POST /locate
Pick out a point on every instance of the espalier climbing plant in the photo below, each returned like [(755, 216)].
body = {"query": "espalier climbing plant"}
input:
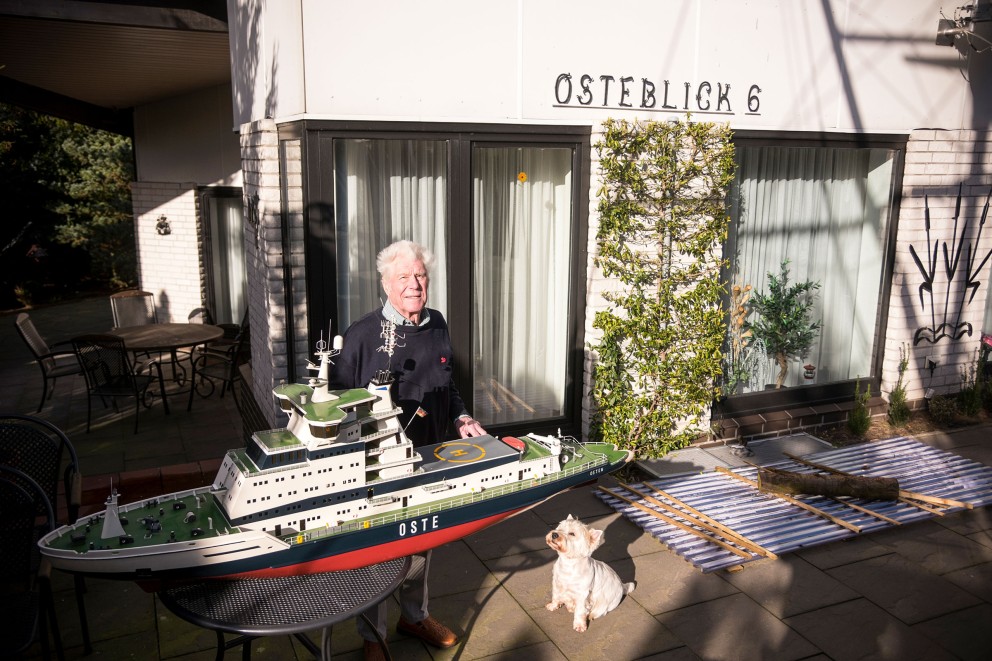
[(663, 220)]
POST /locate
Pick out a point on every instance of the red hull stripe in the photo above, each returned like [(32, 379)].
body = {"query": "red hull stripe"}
[(381, 552)]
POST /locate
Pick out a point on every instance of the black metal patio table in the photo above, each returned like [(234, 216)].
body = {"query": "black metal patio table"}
[(290, 605)]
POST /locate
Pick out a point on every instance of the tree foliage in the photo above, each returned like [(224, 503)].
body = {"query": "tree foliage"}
[(66, 206), (663, 220)]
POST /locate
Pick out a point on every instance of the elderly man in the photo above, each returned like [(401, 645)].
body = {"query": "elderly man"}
[(421, 365)]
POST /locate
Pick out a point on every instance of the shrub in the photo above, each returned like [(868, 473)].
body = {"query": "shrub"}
[(899, 412), (859, 420), (942, 409), (663, 222)]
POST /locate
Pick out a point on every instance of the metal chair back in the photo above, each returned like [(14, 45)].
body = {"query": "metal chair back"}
[(41, 450), (133, 308), (53, 364), (201, 316), (24, 586), (219, 362), (109, 372)]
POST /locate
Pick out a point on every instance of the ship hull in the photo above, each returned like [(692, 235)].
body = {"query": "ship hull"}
[(257, 554)]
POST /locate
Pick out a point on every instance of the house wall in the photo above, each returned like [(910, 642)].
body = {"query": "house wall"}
[(940, 164), (840, 65), (170, 265), (844, 67)]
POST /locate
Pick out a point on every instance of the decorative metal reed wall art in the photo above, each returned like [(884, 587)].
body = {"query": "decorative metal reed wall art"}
[(958, 263)]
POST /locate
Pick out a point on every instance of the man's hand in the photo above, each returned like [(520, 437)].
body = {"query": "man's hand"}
[(467, 426)]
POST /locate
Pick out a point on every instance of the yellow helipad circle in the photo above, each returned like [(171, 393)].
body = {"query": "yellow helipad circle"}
[(459, 452)]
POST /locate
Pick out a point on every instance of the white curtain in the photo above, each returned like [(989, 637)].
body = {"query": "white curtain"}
[(227, 259), (825, 210), (522, 211), (387, 190)]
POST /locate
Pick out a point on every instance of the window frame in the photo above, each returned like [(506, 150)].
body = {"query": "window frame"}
[(838, 391), (321, 246)]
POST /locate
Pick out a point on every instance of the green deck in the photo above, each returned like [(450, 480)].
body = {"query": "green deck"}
[(330, 411), (162, 509)]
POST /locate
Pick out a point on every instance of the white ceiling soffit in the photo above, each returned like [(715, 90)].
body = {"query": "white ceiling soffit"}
[(113, 66)]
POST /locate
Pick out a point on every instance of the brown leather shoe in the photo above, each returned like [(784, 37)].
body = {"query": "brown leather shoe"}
[(430, 631), (373, 651)]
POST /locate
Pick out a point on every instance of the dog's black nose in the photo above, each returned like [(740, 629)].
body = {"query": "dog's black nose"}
[(554, 535)]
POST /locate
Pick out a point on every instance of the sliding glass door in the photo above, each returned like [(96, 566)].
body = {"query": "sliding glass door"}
[(522, 235), (387, 190), (500, 213)]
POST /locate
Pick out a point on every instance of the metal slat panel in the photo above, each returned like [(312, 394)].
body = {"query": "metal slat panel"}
[(780, 526)]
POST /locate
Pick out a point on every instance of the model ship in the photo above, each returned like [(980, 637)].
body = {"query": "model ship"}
[(340, 487)]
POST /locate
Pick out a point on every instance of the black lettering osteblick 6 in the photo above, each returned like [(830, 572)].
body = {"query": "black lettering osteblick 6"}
[(612, 92)]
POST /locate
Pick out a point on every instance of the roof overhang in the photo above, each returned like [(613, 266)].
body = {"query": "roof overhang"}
[(94, 62)]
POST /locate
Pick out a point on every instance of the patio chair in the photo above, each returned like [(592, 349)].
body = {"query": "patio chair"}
[(27, 608), (200, 316), (110, 372), (218, 363), (53, 364), (44, 453), (133, 308)]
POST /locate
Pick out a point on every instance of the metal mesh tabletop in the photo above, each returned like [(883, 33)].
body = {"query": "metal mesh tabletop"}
[(285, 605)]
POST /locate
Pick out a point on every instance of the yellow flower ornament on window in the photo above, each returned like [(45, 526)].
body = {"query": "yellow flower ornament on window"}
[(522, 177)]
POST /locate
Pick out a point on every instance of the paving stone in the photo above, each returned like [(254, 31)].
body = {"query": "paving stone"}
[(546, 651), (789, 586), (965, 634), (518, 534), (861, 630), (490, 619), (526, 576), (904, 589), (735, 627), (455, 568), (934, 547), (666, 582), (977, 580), (628, 632), (842, 552)]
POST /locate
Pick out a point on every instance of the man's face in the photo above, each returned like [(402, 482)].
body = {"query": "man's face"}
[(406, 287)]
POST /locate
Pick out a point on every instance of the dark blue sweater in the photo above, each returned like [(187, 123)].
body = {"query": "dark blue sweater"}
[(421, 368)]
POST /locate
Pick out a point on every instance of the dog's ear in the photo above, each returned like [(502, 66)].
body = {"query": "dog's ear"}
[(596, 539), (569, 518)]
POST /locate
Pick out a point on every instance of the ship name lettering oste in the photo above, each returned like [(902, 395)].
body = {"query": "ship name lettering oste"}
[(417, 526)]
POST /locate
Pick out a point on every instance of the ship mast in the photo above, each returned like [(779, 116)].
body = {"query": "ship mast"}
[(321, 393)]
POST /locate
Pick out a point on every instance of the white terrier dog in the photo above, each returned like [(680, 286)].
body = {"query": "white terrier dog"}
[(587, 587)]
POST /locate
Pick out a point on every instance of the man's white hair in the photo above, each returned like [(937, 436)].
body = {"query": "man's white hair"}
[(387, 257)]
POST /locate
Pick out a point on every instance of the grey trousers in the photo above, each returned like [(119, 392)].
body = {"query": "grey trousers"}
[(412, 595)]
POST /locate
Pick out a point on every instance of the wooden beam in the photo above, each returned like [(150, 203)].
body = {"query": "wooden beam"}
[(700, 519), (680, 525)]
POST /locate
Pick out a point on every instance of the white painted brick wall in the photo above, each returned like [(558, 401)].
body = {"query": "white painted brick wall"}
[(170, 266), (937, 163)]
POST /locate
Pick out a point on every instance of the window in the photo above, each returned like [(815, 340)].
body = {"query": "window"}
[(499, 209), (224, 257), (827, 210)]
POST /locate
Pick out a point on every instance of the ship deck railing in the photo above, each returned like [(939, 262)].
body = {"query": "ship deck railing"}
[(374, 436), (379, 415), (488, 493)]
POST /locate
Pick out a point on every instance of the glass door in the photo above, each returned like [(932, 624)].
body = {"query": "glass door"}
[(522, 234), (227, 282), (385, 191)]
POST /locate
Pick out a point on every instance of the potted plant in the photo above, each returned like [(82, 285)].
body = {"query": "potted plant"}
[(783, 324), (740, 363)]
